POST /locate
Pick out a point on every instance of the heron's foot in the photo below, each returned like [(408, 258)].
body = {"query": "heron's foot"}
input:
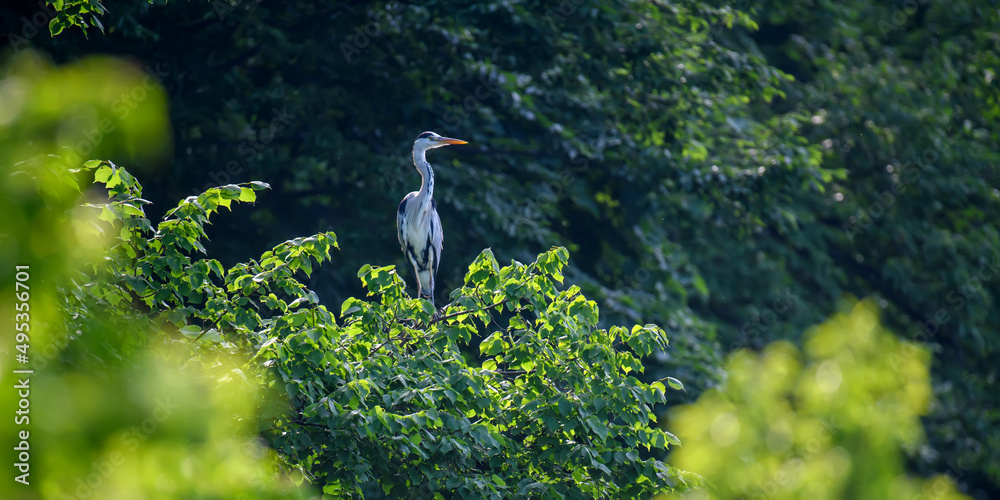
[(437, 314), (441, 310)]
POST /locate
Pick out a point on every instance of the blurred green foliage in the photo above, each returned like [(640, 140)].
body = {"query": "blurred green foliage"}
[(117, 408), (828, 422)]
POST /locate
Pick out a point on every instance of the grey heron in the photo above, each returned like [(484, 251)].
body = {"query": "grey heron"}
[(417, 223)]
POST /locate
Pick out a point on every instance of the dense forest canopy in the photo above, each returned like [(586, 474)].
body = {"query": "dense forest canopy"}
[(735, 173)]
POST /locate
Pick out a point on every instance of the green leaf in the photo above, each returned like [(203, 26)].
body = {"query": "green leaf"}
[(672, 439), (247, 195), (103, 174), (598, 427), (191, 330), (676, 384), (492, 344), (699, 284), (565, 406)]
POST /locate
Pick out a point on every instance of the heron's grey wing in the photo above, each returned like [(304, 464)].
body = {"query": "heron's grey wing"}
[(437, 237), (399, 220)]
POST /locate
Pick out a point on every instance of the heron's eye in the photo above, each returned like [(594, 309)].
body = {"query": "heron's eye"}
[(426, 135)]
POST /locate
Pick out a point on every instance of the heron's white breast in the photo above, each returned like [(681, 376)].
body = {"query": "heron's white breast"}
[(417, 228)]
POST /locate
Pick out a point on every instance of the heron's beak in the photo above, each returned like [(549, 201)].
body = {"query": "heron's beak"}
[(449, 140)]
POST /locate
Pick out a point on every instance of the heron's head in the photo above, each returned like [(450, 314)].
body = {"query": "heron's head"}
[(431, 140)]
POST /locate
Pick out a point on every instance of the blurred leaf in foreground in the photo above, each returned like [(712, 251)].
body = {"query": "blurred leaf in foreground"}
[(829, 422)]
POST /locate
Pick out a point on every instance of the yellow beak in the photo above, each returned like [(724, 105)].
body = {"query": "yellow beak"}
[(449, 140)]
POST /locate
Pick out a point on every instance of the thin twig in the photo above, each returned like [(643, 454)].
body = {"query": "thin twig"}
[(459, 313)]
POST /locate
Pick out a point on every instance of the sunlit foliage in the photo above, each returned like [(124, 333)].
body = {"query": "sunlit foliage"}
[(384, 400), (827, 422)]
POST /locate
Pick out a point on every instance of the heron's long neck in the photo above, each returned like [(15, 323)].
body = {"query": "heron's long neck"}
[(426, 175)]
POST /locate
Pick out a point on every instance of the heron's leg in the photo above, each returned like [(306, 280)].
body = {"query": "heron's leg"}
[(431, 294)]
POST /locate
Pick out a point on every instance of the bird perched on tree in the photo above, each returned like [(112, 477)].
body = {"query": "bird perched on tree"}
[(417, 223)]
